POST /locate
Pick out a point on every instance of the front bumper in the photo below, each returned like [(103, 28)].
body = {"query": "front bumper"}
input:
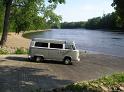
[(78, 59)]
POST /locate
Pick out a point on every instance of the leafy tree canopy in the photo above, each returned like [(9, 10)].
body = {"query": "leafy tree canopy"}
[(119, 7), (23, 13), (32, 14)]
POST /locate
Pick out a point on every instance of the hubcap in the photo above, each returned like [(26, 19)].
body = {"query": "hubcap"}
[(67, 61), (38, 59)]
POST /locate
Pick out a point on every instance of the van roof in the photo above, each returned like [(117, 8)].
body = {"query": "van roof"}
[(52, 40)]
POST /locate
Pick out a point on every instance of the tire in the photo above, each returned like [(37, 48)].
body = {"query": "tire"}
[(39, 59), (32, 59), (67, 61)]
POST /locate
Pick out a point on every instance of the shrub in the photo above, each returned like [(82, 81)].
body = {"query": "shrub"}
[(3, 51), (21, 51)]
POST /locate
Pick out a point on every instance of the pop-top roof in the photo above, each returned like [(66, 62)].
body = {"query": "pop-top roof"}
[(52, 40)]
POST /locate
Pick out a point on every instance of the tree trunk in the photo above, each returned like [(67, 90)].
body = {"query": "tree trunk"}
[(6, 22)]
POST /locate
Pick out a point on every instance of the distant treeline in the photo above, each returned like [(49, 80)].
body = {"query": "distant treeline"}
[(71, 25), (108, 21)]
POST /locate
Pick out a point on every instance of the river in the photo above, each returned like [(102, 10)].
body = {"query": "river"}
[(96, 41)]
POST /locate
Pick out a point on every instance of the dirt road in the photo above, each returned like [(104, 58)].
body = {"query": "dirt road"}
[(19, 75)]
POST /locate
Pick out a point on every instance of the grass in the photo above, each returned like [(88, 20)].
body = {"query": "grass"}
[(21, 51), (113, 83), (108, 83), (3, 51)]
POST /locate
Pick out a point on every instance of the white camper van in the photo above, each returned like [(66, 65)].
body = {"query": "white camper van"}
[(48, 49)]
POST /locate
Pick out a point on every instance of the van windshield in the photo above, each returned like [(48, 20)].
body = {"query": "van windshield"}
[(72, 47)]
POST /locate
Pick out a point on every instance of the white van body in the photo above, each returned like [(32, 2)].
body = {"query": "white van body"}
[(51, 49)]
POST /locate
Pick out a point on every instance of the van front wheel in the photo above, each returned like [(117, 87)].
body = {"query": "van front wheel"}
[(67, 61), (39, 59)]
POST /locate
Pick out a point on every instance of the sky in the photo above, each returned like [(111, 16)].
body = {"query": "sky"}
[(82, 10)]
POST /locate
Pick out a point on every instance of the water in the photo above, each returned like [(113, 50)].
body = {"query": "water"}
[(99, 41)]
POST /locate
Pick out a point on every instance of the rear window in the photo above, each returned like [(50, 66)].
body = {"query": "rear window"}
[(53, 45), (41, 44)]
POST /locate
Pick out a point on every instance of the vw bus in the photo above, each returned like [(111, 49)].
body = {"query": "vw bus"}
[(51, 49)]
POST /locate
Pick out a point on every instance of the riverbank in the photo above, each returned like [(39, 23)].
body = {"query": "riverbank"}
[(22, 42), (17, 41), (108, 44), (29, 33)]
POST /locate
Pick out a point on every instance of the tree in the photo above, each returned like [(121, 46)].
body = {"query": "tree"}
[(108, 21), (70, 25), (8, 4), (119, 7), (6, 21), (32, 19), (28, 11), (51, 18), (93, 23), (1, 15)]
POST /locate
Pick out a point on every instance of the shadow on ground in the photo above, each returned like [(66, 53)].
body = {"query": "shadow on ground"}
[(25, 59), (25, 79), (17, 58)]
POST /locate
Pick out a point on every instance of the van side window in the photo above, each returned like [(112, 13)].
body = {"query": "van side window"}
[(53, 45), (41, 44)]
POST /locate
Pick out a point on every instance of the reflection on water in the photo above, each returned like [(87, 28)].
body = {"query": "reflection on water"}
[(89, 40)]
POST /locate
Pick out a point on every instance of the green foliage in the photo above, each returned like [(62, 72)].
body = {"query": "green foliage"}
[(1, 15), (110, 82), (21, 51), (27, 11), (31, 15), (109, 21), (53, 19), (106, 84), (119, 7), (34, 15), (71, 25), (93, 23), (3, 51), (57, 1), (39, 23)]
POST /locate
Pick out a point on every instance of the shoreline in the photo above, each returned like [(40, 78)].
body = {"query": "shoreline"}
[(31, 32), (99, 53), (15, 41)]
